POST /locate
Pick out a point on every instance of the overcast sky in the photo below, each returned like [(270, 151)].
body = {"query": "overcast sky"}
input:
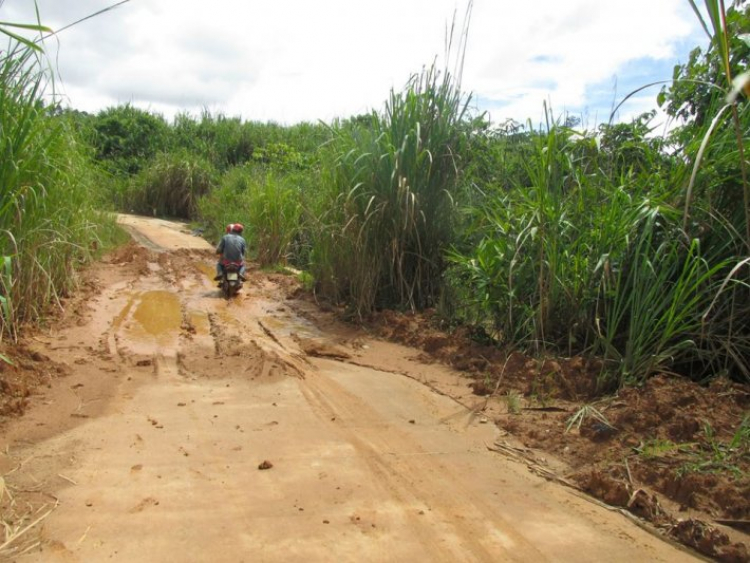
[(305, 60)]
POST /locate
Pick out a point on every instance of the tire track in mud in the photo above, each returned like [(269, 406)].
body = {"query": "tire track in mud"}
[(418, 481), (161, 314)]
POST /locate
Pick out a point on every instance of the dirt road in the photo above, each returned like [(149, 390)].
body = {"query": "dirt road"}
[(150, 446)]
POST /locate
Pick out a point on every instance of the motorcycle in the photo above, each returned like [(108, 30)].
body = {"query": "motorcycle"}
[(231, 279)]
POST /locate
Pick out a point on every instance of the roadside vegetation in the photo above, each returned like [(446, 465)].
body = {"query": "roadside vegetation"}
[(50, 218), (548, 238)]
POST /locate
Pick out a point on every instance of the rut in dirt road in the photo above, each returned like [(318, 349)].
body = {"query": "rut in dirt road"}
[(182, 397)]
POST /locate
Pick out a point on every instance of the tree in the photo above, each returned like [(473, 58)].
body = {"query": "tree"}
[(126, 138)]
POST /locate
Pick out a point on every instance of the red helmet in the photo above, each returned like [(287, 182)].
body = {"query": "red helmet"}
[(230, 226), (237, 228)]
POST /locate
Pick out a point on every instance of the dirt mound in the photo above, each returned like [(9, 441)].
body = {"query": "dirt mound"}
[(18, 380), (472, 351), (127, 254)]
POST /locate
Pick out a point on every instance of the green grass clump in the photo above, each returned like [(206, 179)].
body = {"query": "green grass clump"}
[(266, 202), (49, 225), (386, 212), (586, 253)]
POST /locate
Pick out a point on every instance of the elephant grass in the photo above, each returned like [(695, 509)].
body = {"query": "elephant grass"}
[(585, 259), (387, 208), (48, 224)]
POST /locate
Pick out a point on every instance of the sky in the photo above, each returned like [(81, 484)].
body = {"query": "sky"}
[(307, 60)]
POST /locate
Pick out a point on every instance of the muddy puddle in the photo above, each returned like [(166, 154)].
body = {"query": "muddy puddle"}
[(156, 317), (208, 270)]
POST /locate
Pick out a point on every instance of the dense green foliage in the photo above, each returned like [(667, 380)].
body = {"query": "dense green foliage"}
[(555, 240), (48, 220), (606, 243), (170, 185), (570, 261), (267, 202)]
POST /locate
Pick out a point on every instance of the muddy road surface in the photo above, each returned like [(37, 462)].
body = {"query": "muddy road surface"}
[(185, 427)]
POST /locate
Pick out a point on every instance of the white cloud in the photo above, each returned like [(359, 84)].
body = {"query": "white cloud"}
[(292, 60)]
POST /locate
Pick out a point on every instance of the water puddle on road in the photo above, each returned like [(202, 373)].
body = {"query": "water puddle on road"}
[(159, 315), (207, 269)]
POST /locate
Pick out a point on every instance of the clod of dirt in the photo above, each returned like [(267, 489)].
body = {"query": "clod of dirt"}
[(598, 431), (603, 486), (144, 363), (265, 465), (322, 349), (708, 540), (37, 357), (480, 387)]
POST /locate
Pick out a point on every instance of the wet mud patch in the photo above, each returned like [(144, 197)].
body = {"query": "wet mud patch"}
[(129, 253), (322, 349), (229, 354), (249, 361), (158, 315), (148, 322)]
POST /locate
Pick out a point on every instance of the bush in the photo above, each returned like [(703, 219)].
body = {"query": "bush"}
[(268, 204), (171, 185)]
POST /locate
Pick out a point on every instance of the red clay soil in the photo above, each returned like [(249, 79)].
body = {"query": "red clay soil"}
[(674, 453)]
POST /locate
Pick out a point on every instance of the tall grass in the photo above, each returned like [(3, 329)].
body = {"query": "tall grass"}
[(719, 34), (583, 256), (387, 209), (48, 224), (170, 185), (268, 203)]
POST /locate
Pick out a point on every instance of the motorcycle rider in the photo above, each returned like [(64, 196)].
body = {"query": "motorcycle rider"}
[(231, 248)]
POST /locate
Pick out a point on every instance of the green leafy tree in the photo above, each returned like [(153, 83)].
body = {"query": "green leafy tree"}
[(127, 138)]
